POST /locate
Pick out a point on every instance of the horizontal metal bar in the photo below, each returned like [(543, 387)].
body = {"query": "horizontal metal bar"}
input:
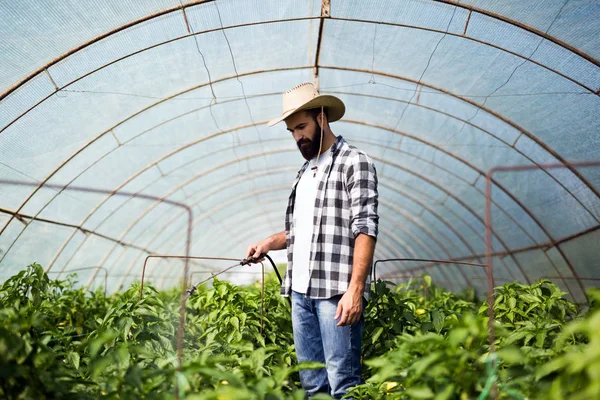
[(21, 216)]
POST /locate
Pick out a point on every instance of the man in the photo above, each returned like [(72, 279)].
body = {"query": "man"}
[(331, 227)]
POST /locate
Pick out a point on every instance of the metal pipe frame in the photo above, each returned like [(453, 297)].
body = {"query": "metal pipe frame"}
[(489, 289), (398, 78), (111, 130), (325, 13), (234, 128), (488, 210), (448, 193), (499, 17), (431, 263), (204, 196), (124, 183), (230, 27), (221, 227), (495, 115), (281, 188), (256, 229), (23, 217), (416, 239), (148, 197), (463, 99), (523, 26)]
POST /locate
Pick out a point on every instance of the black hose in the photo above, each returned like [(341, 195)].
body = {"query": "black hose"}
[(263, 255)]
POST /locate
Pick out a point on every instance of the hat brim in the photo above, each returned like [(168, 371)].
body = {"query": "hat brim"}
[(335, 108)]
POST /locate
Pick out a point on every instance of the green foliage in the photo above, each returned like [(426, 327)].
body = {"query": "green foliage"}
[(420, 342)]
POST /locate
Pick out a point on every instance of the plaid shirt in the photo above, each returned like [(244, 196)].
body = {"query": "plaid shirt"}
[(345, 205)]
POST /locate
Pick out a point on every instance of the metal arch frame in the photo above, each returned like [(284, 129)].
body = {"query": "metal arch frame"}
[(264, 22), (379, 73), (479, 128), (536, 32), (227, 101), (483, 108), (407, 217), (174, 190), (148, 209), (391, 253), (523, 26), (252, 156), (238, 128), (415, 156), (293, 168), (335, 68), (168, 194), (145, 196), (97, 39), (176, 241), (119, 144), (193, 206), (438, 166), (391, 188), (488, 213), (397, 241), (430, 182), (427, 233), (122, 185), (397, 77), (131, 178), (279, 170), (175, 151), (260, 228), (394, 225), (22, 217)]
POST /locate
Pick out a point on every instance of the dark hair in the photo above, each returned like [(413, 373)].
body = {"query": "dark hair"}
[(314, 112)]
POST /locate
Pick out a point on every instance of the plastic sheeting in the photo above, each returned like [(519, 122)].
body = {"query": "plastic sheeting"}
[(170, 99)]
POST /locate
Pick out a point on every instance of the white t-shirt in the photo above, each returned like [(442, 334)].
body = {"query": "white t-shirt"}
[(304, 207)]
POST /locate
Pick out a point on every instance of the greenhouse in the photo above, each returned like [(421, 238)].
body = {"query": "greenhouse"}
[(137, 167)]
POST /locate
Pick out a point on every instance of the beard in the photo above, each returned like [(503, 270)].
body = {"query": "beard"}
[(310, 148)]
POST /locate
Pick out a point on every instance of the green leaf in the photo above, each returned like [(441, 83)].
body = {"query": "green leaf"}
[(427, 280), (377, 333), (73, 358), (420, 392), (445, 394), (438, 318)]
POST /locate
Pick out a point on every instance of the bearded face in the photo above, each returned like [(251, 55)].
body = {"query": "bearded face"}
[(310, 147)]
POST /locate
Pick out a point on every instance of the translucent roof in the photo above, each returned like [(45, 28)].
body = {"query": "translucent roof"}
[(170, 99)]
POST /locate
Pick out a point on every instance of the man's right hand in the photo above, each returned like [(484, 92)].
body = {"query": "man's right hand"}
[(256, 249), (274, 242)]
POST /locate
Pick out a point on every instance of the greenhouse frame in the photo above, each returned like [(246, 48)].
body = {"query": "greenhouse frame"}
[(133, 137)]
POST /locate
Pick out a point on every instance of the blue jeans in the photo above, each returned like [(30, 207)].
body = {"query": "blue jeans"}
[(318, 338)]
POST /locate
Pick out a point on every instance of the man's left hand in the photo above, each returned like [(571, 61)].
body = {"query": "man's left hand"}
[(349, 307)]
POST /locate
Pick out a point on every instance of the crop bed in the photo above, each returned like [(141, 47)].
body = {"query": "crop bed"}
[(61, 342)]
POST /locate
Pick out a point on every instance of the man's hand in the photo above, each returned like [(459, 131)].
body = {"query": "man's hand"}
[(274, 242), (349, 307)]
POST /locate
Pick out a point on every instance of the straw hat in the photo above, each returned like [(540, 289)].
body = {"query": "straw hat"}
[(305, 96)]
